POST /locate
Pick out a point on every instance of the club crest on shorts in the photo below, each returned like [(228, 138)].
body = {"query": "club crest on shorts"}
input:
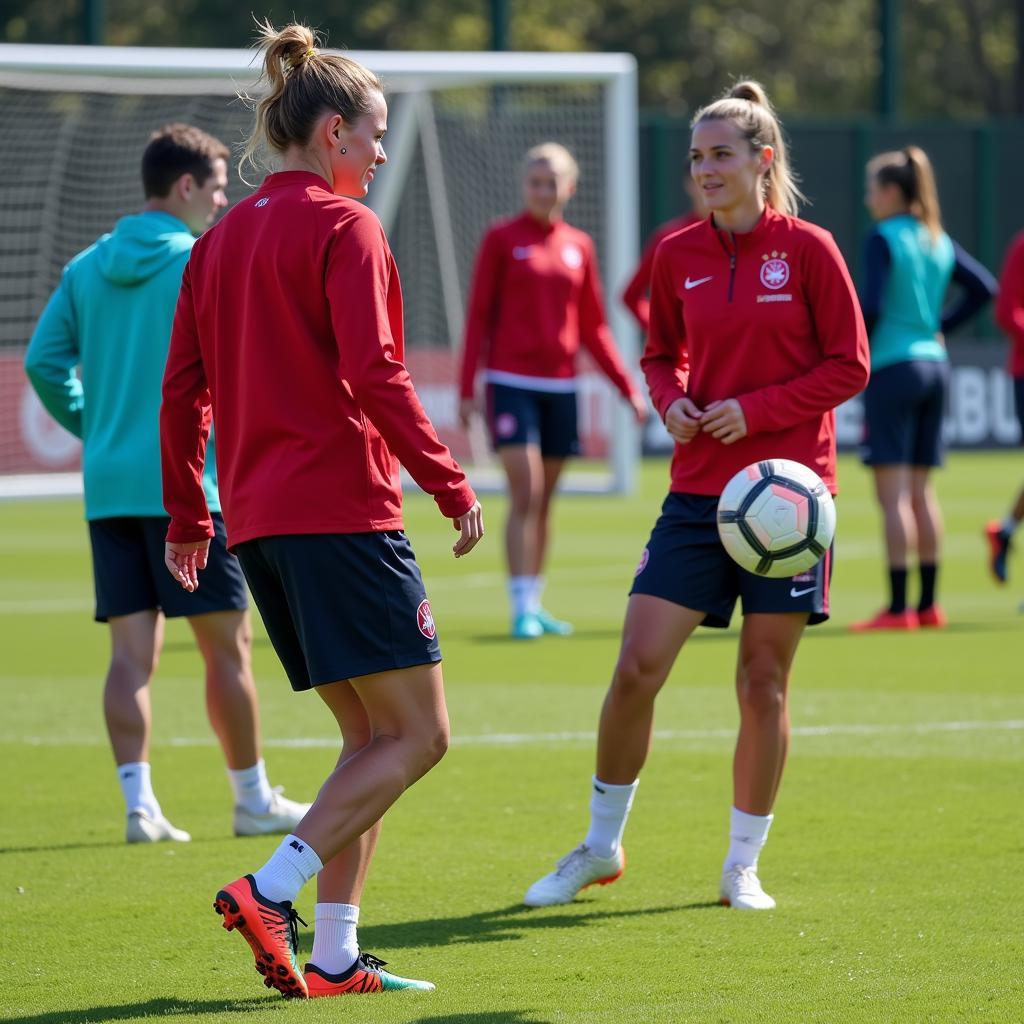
[(425, 620), (644, 559), (505, 424), (774, 269)]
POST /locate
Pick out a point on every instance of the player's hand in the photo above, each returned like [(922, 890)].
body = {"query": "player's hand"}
[(471, 529), (682, 420), (468, 408), (184, 561), (724, 420), (639, 407)]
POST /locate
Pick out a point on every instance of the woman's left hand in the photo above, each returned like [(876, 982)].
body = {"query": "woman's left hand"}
[(724, 420), (639, 407)]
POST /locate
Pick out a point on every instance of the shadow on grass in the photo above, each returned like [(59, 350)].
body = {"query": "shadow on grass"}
[(101, 844), (489, 1017), (500, 925), (161, 1007)]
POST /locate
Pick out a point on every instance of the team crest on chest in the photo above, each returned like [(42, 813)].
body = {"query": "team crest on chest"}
[(571, 256), (774, 269)]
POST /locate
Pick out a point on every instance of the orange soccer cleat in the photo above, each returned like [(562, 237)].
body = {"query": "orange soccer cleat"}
[(365, 976), (886, 619), (270, 929)]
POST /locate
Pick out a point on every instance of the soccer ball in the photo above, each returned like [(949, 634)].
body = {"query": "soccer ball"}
[(776, 518)]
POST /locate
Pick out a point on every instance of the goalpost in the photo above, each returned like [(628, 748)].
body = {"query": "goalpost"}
[(74, 120)]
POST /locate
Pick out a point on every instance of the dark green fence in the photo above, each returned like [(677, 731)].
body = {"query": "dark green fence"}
[(979, 166)]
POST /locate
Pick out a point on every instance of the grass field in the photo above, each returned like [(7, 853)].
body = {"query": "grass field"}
[(896, 854)]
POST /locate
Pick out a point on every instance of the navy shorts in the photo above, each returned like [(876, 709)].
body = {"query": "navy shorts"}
[(338, 606), (543, 418), (1018, 402), (130, 575), (903, 407), (685, 563)]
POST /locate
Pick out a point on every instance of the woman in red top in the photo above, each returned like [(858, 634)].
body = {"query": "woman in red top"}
[(1010, 317), (755, 337), (289, 331), (536, 297), (635, 296)]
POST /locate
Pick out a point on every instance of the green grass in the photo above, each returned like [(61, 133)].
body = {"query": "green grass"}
[(895, 857)]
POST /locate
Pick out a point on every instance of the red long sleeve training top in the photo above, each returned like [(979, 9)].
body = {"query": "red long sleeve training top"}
[(635, 294), (1010, 304), (769, 318), (535, 298), (289, 326)]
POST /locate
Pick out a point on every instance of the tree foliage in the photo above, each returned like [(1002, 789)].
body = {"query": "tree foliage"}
[(959, 57)]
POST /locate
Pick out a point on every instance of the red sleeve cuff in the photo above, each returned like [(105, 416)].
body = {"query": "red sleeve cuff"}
[(456, 502), (181, 533)]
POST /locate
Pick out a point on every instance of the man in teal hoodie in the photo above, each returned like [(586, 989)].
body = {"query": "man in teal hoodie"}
[(96, 360)]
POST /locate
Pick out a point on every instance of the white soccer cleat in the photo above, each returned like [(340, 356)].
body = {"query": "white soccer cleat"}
[(741, 889), (574, 872), (280, 817), (144, 829)]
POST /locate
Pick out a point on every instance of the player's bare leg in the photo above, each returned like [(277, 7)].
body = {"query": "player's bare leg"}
[(408, 727), (768, 645), (225, 641), (928, 524), (344, 875), (136, 641), (893, 490), (524, 470), (653, 633), (552, 469)]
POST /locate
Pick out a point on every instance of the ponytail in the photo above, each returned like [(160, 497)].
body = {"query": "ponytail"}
[(302, 83), (911, 171), (747, 106)]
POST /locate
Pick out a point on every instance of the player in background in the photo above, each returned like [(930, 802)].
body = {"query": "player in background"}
[(297, 356), (96, 361), (909, 263), (755, 337), (1010, 316), (535, 299), (636, 294)]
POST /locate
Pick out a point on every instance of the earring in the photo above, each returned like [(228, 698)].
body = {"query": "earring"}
[(343, 150)]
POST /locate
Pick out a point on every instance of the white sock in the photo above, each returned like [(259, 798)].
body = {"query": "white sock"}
[(747, 834), (335, 947), (519, 590), (251, 788), (609, 808), (536, 592), (293, 864), (1010, 523), (137, 788)]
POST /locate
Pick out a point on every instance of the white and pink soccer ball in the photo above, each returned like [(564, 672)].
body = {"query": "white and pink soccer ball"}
[(776, 518)]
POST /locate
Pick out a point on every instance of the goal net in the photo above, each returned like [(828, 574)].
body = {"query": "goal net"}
[(74, 121)]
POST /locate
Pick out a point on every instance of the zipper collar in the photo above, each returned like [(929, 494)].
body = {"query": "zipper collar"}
[(733, 241)]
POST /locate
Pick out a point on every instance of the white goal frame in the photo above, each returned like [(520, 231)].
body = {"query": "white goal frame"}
[(411, 76)]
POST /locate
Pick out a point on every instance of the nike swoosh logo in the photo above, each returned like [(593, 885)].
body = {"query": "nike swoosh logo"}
[(793, 592), (688, 284)]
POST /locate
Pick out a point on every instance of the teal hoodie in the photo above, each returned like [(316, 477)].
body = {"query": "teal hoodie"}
[(920, 270), (96, 360)]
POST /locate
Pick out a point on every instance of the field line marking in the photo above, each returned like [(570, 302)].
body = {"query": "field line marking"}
[(515, 739)]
